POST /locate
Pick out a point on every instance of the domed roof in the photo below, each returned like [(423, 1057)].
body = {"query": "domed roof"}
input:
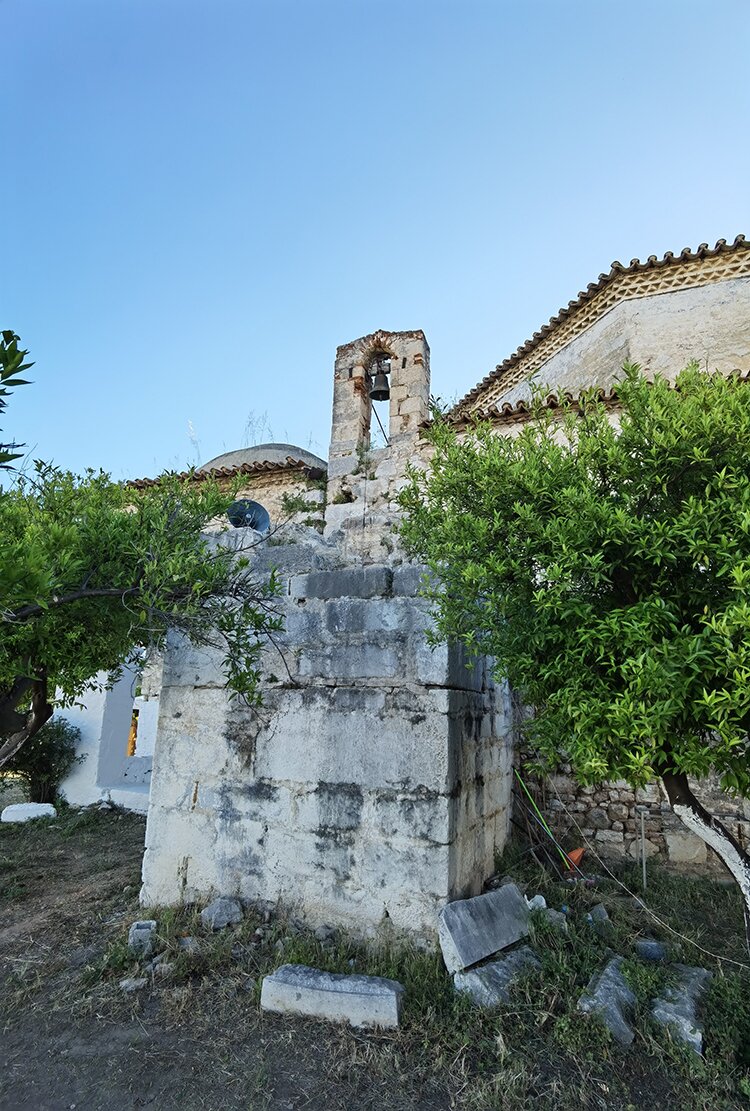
[(264, 453)]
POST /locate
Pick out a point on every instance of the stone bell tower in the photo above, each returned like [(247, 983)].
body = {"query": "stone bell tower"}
[(362, 480)]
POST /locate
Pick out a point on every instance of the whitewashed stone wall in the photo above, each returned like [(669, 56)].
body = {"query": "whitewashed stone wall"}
[(373, 785)]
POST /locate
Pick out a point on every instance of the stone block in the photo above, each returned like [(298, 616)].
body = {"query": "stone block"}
[(445, 665), (362, 1001), (27, 811), (187, 665), (370, 617), (676, 1007), (222, 912), (418, 816), (469, 930), (408, 580), (356, 582), (390, 868), (636, 847), (141, 937), (685, 848), (490, 984), (352, 661), (609, 997), (309, 742)]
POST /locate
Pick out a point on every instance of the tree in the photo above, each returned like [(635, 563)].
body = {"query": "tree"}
[(11, 365), (92, 571), (605, 565)]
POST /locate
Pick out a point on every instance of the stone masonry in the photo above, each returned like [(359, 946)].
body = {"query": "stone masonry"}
[(609, 816), (374, 783)]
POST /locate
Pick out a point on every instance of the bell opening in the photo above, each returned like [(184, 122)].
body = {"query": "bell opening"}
[(380, 389)]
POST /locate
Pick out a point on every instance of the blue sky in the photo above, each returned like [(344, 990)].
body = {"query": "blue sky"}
[(200, 201)]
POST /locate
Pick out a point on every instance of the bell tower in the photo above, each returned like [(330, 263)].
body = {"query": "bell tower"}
[(381, 384), (384, 366)]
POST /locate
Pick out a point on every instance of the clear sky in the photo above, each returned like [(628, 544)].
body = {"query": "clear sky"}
[(201, 200)]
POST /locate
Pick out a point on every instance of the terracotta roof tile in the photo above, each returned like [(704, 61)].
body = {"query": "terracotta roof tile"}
[(256, 468)]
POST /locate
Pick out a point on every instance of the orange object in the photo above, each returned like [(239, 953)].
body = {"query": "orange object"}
[(575, 856)]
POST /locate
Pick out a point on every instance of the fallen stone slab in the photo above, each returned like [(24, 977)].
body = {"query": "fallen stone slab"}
[(27, 811), (469, 930), (676, 1007), (490, 984), (358, 1000), (650, 950), (141, 937), (608, 996), (222, 912)]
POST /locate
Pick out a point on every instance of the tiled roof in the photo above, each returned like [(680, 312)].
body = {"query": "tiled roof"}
[(634, 267), (254, 469), (522, 409), (498, 414)]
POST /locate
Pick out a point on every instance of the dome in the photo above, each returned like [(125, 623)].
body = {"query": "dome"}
[(264, 453)]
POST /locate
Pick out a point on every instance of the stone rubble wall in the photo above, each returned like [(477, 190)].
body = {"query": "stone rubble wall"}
[(609, 816), (373, 784)]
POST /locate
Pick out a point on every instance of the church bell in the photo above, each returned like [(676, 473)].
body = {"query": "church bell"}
[(380, 390)]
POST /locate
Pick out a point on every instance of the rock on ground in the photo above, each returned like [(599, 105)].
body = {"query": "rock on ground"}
[(133, 983), (222, 912), (141, 937), (609, 997), (358, 1000), (469, 930), (557, 919), (676, 1007), (649, 950), (490, 984), (27, 811)]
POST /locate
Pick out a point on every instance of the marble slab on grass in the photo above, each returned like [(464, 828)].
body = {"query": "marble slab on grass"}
[(469, 930), (490, 984), (358, 1000)]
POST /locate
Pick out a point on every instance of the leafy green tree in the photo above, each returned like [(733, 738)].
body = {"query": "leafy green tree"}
[(605, 565), (11, 365), (92, 571)]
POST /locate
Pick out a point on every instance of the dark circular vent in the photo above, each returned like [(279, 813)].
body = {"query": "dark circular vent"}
[(249, 514)]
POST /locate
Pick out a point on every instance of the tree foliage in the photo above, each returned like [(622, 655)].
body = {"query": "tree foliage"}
[(93, 570), (608, 572), (11, 365), (605, 565)]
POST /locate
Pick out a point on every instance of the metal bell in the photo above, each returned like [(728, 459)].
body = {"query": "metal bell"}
[(380, 390)]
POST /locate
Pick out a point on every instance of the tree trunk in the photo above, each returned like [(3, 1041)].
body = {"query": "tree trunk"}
[(698, 820), (38, 715)]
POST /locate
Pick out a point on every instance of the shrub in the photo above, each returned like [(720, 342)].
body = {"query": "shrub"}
[(45, 759)]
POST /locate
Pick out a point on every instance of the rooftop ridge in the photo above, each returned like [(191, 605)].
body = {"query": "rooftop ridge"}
[(635, 266)]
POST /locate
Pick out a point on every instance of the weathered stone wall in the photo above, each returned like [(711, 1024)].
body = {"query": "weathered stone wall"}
[(609, 817), (373, 784)]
